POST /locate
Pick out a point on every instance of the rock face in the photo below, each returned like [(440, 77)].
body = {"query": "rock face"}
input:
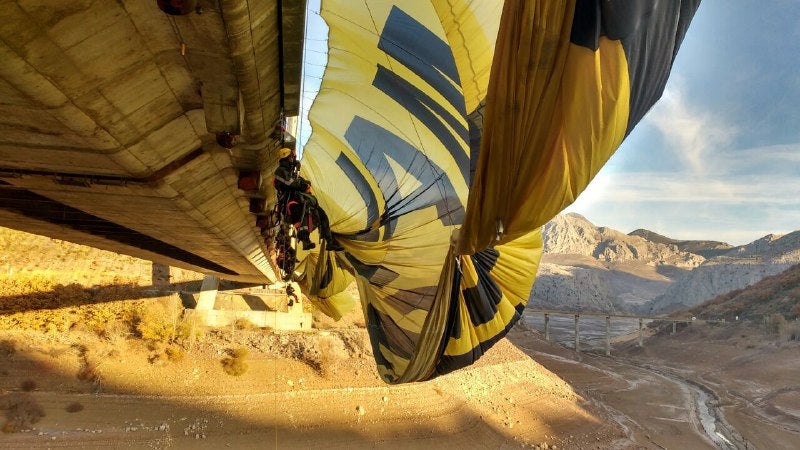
[(706, 249), (738, 268), (572, 288), (574, 234), (591, 268)]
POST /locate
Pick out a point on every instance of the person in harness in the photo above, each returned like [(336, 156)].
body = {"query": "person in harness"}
[(299, 204)]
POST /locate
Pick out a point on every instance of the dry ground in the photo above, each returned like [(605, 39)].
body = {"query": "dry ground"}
[(78, 371)]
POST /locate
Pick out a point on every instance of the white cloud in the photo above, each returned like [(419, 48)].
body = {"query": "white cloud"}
[(737, 210), (767, 160), (647, 187), (689, 132)]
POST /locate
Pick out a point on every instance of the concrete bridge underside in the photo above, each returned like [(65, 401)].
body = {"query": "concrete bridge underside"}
[(110, 114)]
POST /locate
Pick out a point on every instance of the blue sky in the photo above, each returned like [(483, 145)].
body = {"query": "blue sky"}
[(718, 157)]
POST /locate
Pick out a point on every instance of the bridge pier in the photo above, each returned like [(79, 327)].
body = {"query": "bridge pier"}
[(546, 327), (641, 332), (608, 335), (577, 333), (208, 293), (673, 326), (160, 277)]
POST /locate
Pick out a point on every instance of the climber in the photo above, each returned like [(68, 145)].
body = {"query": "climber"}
[(299, 203)]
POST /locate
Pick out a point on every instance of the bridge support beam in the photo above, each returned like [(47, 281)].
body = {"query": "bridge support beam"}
[(208, 293), (577, 333), (641, 332), (673, 327), (160, 276), (546, 327), (608, 335)]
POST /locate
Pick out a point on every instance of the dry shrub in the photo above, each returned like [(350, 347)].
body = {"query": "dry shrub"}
[(74, 407), (89, 369), (793, 331), (175, 353), (235, 363), (28, 385), (161, 321), (243, 323), (22, 412), (776, 325), (161, 353), (88, 372), (7, 347), (167, 333), (103, 322)]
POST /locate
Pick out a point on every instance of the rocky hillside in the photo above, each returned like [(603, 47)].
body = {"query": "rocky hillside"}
[(776, 294), (738, 268), (706, 249), (601, 269), (575, 288), (574, 234)]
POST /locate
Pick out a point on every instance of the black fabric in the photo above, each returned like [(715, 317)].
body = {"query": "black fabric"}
[(449, 363), (651, 32), (482, 299), (376, 274)]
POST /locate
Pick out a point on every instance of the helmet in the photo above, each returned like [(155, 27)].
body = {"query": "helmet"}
[(284, 152)]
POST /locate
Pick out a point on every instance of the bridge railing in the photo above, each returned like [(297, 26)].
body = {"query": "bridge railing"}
[(608, 316)]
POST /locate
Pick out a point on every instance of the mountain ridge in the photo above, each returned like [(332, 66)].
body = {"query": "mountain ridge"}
[(588, 267)]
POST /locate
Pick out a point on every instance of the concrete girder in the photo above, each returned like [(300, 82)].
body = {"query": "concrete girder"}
[(105, 92)]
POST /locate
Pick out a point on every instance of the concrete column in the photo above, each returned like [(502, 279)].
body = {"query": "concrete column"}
[(641, 332), (674, 324), (208, 293), (160, 275), (608, 335), (546, 327), (577, 333)]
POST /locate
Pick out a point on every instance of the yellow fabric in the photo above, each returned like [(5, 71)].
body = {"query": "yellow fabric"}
[(471, 30), (389, 158), (419, 241), (514, 272), (331, 299), (555, 113)]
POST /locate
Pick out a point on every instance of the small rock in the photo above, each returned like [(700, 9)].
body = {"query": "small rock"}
[(385, 399), (361, 411), (290, 382)]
